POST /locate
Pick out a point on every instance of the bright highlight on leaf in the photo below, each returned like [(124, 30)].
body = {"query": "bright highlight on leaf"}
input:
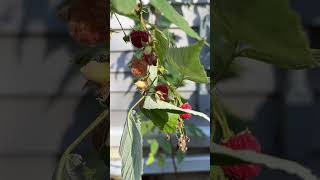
[(96, 72), (150, 103)]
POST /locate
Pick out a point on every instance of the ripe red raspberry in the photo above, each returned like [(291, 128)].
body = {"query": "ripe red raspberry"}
[(242, 141), (185, 115), (163, 89), (88, 21), (151, 58), (139, 38), (139, 67)]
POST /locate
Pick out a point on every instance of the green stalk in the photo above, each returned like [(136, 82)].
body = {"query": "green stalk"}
[(219, 116), (83, 135)]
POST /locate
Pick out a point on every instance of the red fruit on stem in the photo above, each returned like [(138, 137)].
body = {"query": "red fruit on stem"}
[(87, 21), (139, 38), (139, 67), (151, 58), (242, 141), (185, 115), (163, 89)]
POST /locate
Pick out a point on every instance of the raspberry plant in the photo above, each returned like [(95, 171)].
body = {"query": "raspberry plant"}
[(159, 68)]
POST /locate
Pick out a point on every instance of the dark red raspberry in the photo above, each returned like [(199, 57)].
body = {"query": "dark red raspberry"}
[(242, 141), (87, 21), (139, 38), (163, 89), (139, 67), (151, 58), (185, 115)]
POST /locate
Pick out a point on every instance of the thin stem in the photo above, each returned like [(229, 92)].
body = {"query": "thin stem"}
[(141, 16), (173, 159), (130, 110), (219, 116), (120, 24), (75, 143)]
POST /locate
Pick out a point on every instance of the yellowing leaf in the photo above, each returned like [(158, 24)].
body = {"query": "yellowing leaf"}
[(97, 72)]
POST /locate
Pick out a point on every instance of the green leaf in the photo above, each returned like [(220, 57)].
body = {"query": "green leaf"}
[(154, 146), (88, 173), (166, 121), (150, 104), (161, 44), (246, 156), (216, 173), (193, 130), (223, 50), (125, 7), (131, 150), (75, 169), (186, 60), (172, 15), (161, 159), (165, 145), (180, 156), (271, 28), (153, 70), (150, 159), (146, 126)]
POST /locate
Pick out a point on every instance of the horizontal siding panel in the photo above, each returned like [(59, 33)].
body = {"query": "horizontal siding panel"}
[(19, 16), (192, 12), (37, 65), (36, 125), (27, 168), (117, 43), (120, 82), (119, 61)]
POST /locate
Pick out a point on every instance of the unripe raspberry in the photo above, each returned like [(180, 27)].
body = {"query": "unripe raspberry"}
[(185, 115), (242, 141), (163, 90), (87, 21), (139, 38), (139, 67), (141, 85), (151, 58)]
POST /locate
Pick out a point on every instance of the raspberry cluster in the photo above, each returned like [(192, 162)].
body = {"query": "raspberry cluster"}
[(142, 40)]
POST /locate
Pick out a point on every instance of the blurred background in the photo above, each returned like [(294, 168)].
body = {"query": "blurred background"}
[(42, 105), (281, 107), (123, 94)]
